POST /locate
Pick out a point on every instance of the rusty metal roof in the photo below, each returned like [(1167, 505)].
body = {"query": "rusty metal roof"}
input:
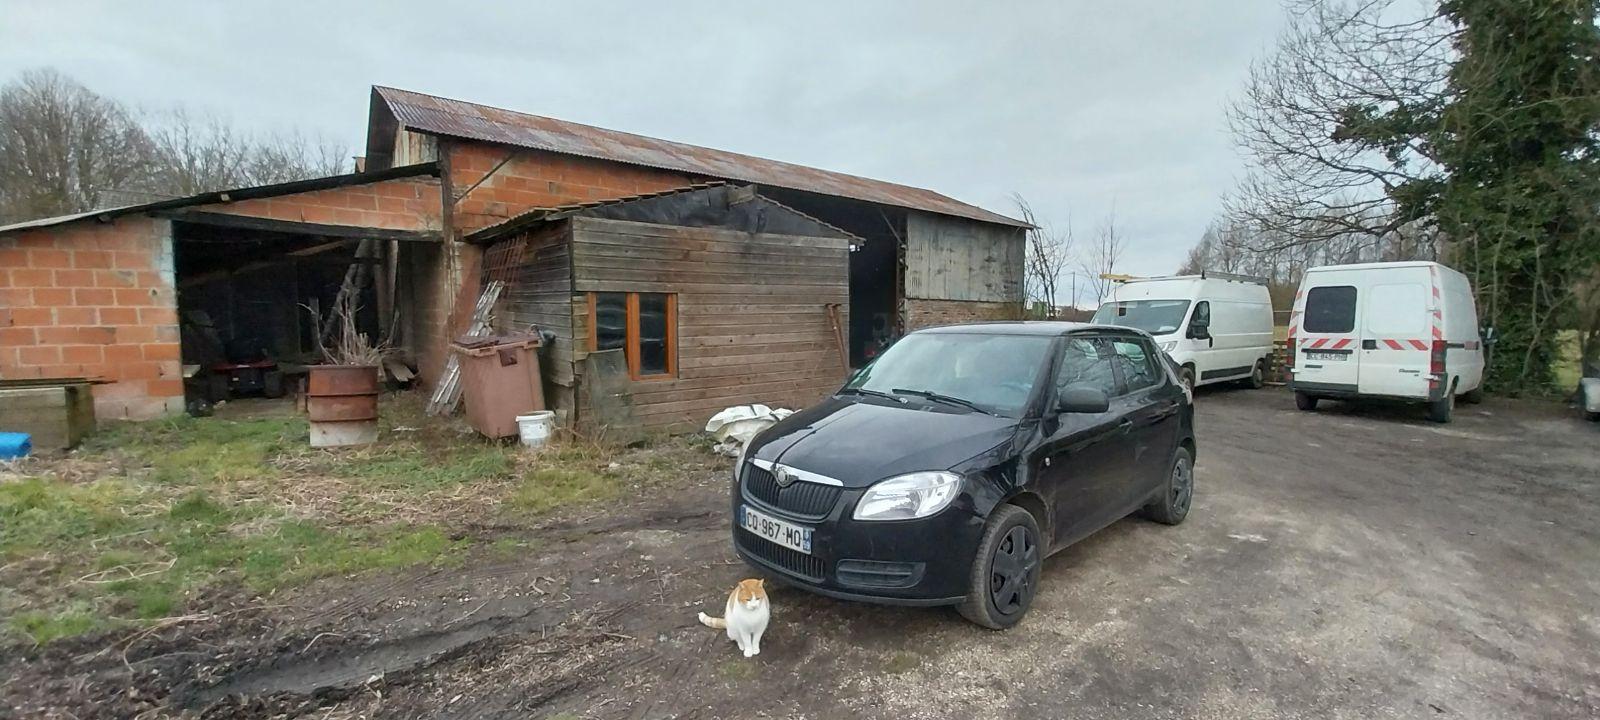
[(455, 118)]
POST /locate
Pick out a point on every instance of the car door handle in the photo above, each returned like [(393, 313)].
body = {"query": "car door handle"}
[(1369, 344), (1124, 425)]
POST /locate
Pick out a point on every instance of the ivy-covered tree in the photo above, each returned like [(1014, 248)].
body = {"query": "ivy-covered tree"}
[(1518, 138)]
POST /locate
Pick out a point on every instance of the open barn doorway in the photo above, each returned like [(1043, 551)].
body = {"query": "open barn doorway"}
[(246, 297)]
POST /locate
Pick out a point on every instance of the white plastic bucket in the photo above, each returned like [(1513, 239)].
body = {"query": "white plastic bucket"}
[(534, 428)]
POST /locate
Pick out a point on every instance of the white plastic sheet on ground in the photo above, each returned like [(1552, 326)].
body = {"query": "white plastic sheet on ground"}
[(734, 426)]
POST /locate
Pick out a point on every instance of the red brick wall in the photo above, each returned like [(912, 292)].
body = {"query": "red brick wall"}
[(930, 313), (401, 204), (92, 299), (535, 179)]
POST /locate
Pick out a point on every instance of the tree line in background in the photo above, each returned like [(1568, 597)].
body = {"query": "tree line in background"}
[(65, 149), (1466, 131), (1057, 272)]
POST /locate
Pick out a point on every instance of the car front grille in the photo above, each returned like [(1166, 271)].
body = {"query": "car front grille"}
[(806, 566), (809, 500)]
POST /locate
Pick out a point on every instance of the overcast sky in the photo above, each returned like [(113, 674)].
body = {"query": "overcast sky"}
[(1080, 106)]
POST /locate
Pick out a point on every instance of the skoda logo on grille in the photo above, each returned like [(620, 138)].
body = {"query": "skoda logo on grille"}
[(782, 477)]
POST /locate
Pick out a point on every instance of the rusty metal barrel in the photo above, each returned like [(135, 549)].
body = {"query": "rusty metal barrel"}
[(342, 402)]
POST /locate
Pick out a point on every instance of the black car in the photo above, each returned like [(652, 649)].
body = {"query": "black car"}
[(948, 469)]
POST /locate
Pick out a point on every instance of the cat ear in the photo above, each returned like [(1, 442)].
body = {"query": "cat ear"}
[(762, 583)]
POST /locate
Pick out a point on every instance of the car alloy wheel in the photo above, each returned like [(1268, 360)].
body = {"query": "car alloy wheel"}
[(1012, 569), (1182, 484)]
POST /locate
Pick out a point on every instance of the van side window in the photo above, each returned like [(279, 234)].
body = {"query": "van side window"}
[(1202, 313), (1085, 361), (1330, 309)]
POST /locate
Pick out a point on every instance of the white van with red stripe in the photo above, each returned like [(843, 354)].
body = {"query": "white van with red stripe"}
[(1395, 330)]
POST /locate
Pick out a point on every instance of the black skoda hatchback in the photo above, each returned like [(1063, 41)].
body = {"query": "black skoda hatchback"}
[(948, 469)]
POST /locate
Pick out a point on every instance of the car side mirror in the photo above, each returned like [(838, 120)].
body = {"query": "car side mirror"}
[(1082, 399)]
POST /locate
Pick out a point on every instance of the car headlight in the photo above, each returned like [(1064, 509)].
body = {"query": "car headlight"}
[(908, 496), (1169, 346)]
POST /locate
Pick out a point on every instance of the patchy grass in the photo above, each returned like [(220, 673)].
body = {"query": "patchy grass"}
[(901, 663), (737, 669), (147, 520)]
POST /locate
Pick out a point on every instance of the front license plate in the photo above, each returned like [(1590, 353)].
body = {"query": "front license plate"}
[(783, 533), (1336, 357)]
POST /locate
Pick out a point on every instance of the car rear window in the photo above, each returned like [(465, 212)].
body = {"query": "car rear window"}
[(1330, 309)]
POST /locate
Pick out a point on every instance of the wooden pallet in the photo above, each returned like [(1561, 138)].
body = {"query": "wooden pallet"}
[(447, 396)]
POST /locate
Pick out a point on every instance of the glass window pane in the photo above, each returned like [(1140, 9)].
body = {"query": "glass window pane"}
[(1330, 309), (1083, 364), (1137, 363), (610, 320), (653, 334)]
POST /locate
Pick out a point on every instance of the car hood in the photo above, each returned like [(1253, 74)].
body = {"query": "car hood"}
[(862, 442)]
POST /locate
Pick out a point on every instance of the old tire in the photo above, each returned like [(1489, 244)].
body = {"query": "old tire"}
[(1172, 506), (1305, 402), (1258, 376), (1005, 569), (1186, 377), (1442, 409)]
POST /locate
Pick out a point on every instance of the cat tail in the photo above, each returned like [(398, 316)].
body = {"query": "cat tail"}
[(712, 622)]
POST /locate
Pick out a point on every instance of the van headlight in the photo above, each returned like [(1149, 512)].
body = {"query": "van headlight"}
[(908, 497), (1169, 346)]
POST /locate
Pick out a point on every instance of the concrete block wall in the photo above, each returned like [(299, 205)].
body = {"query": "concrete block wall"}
[(96, 300)]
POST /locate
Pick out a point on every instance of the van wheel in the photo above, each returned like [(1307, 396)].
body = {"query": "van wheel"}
[(1172, 505), (1305, 402), (1005, 570), (1440, 410), (1186, 376), (1258, 375)]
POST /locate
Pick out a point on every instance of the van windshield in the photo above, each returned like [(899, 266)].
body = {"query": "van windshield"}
[(1157, 317)]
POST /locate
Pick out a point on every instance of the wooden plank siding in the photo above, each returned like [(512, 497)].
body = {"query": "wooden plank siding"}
[(752, 321), (953, 259), (538, 278)]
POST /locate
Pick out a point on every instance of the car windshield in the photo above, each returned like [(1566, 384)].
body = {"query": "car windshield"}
[(995, 373), (1157, 317)]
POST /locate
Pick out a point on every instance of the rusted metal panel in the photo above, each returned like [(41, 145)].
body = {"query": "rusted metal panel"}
[(343, 380), (455, 118), (341, 408)]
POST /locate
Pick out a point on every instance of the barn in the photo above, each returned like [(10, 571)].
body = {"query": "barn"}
[(129, 296)]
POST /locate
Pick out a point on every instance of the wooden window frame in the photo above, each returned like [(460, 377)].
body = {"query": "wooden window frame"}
[(630, 345)]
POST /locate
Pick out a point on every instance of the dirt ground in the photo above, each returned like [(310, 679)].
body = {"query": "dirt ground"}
[(1353, 563)]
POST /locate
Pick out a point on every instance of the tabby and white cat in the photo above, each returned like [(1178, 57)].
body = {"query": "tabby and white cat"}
[(745, 617)]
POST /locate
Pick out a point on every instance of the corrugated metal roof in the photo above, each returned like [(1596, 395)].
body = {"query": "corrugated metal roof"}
[(455, 118)]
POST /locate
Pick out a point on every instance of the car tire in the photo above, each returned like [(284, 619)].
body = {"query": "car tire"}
[(1011, 533), (1186, 377), (1172, 506), (1258, 376), (1305, 402), (1441, 410)]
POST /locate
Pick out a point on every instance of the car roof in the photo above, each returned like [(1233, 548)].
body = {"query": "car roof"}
[(1048, 328)]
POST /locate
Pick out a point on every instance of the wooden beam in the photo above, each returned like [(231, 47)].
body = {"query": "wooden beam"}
[(247, 222)]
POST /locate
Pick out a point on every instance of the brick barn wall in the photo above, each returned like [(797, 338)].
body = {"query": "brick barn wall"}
[(400, 204), (929, 313), (96, 300)]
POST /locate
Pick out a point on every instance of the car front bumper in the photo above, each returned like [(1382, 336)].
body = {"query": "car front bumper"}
[(921, 562)]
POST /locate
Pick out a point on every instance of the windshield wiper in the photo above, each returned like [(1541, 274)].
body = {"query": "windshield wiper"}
[(941, 397), (873, 393)]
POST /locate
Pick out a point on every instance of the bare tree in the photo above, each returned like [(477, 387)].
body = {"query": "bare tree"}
[(1048, 255), (64, 149), (1333, 121), (196, 154), (1100, 260)]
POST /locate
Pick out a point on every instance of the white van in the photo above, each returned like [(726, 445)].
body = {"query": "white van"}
[(1397, 330), (1216, 327)]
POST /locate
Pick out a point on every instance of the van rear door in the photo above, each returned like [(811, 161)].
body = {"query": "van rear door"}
[(1325, 349), (1396, 345)]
